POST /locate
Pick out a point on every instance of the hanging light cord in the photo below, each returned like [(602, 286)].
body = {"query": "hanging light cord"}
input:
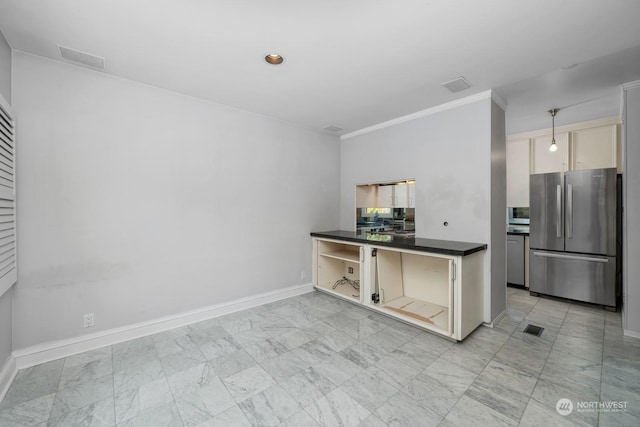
[(553, 124), (553, 146)]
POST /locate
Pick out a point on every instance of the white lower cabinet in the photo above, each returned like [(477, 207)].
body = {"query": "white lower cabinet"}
[(441, 293)]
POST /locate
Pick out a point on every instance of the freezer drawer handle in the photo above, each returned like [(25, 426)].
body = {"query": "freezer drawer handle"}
[(577, 258), (558, 211), (569, 211)]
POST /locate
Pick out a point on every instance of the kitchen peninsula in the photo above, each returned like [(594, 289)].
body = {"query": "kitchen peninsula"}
[(433, 284)]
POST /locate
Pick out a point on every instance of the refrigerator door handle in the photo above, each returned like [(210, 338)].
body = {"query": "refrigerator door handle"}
[(577, 258), (569, 211), (558, 211)]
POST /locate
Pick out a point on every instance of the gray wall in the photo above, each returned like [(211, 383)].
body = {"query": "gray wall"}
[(498, 211), (5, 68), (449, 155), (5, 300), (631, 199), (138, 203), (5, 327)]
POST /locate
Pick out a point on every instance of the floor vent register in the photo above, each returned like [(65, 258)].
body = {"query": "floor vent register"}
[(533, 330)]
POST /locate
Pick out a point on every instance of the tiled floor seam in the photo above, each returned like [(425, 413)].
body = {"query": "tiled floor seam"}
[(113, 385), (477, 375), (545, 360), (166, 378), (604, 331)]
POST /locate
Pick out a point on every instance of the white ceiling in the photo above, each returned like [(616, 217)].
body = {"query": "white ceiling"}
[(350, 63)]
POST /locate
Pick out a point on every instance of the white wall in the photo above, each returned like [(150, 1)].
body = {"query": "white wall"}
[(136, 202), (6, 345), (631, 200), (449, 155), (5, 300), (498, 211), (5, 68)]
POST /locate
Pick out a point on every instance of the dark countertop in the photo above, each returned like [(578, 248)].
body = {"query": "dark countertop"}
[(447, 247)]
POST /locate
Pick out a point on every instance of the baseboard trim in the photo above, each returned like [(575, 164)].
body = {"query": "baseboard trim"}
[(53, 350), (7, 374), (497, 320), (632, 334)]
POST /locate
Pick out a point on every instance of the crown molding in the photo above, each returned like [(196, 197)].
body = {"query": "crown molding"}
[(419, 114), (498, 100), (631, 85)]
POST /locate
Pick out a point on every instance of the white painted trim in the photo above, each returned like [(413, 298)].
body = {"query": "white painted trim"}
[(5, 288), (53, 350), (419, 114), (498, 100), (615, 120), (632, 334), (496, 320), (631, 85), (7, 374)]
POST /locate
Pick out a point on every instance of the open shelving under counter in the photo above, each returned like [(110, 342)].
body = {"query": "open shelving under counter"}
[(437, 285), (337, 269)]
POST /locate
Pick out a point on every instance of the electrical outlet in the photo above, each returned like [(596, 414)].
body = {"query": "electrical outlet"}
[(88, 320), (350, 270), (303, 275)]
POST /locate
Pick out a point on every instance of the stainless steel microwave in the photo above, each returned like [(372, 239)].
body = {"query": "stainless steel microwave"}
[(518, 216)]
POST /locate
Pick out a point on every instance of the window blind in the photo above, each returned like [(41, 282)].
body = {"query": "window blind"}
[(8, 274)]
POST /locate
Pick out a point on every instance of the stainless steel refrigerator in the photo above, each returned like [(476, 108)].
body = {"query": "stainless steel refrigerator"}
[(573, 235)]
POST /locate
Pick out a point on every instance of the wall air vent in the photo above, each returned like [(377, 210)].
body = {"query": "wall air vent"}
[(457, 85), (83, 58), (332, 128)]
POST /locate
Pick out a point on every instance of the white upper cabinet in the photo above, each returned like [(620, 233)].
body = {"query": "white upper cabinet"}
[(386, 196), (588, 145), (518, 172), (595, 148), (401, 195), (366, 196), (404, 195), (411, 189), (392, 195), (543, 160)]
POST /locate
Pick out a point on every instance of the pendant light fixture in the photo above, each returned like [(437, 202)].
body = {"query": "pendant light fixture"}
[(553, 147)]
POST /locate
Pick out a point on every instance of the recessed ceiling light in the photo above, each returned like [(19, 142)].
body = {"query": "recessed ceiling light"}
[(274, 59)]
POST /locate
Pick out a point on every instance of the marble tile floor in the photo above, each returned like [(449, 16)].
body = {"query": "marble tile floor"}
[(314, 360)]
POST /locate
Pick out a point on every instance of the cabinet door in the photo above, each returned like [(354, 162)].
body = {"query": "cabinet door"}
[(515, 259), (526, 262), (385, 196), (594, 148), (518, 172), (401, 195), (411, 189), (545, 161), (366, 196)]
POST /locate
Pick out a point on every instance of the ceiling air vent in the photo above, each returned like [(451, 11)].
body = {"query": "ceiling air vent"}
[(457, 85), (82, 57), (332, 128)]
